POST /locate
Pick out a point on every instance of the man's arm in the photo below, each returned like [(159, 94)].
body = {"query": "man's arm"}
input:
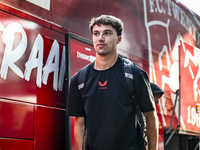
[(79, 127), (152, 129)]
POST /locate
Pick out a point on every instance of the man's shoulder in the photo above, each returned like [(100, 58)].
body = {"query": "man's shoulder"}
[(86, 67), (81, 71), (136, 70), (135, 66)]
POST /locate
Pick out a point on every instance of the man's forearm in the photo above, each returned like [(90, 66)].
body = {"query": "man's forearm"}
[(152, 130), (79, 126)]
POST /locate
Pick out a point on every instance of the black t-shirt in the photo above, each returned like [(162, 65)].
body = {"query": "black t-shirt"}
[(108, 108)]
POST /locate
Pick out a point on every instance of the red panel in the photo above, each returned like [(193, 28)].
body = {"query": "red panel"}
[(16, 87), (19, 8), (49, 128), (189, 88), (15, 144), (81, 55), (32, 14), (16, 120)]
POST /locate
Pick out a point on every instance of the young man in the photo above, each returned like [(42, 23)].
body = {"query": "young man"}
[(105, 111)]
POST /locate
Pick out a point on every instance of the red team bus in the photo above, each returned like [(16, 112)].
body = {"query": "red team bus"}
[(44, 42)]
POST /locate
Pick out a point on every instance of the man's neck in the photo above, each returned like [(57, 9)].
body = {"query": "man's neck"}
[(104, 62)]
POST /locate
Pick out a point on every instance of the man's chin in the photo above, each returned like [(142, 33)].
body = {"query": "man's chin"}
[(101, 52)]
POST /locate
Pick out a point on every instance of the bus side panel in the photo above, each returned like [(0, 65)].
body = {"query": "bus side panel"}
[(15, 144), (33, 84), (16, 120), (49, 128)]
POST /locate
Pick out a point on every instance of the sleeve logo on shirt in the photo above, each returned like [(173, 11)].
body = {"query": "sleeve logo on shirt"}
[(102, 85)]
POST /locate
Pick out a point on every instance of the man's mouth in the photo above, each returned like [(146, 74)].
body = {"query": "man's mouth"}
[(101, 45)]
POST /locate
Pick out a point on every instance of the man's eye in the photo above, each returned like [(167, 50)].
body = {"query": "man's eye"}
[(107, 33), (95, 33)]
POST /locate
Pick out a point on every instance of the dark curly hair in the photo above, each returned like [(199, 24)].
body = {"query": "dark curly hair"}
[(115, 22)]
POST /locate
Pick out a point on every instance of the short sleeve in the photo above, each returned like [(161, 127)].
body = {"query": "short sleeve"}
[(75, 105), (144, 92)]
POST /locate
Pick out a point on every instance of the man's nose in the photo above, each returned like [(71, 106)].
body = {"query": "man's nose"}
[(101, 37)]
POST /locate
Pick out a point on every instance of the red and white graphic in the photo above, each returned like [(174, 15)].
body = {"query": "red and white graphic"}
[(189, 87), (164, 66), (17, 47)]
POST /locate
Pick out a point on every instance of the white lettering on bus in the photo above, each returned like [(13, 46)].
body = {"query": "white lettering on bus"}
[(174, 10), (34, 62), (89, 58), (52, 67), (11, 56)]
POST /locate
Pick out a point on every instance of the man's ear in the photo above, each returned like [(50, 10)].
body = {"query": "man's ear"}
[(119, 39)]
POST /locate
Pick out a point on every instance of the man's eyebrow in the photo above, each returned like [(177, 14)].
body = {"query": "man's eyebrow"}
[(108, 30)]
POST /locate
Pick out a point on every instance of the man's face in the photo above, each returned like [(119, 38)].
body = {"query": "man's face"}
[(105, 39)]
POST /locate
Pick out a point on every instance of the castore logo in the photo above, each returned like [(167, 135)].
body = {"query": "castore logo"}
[(102, 85)]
